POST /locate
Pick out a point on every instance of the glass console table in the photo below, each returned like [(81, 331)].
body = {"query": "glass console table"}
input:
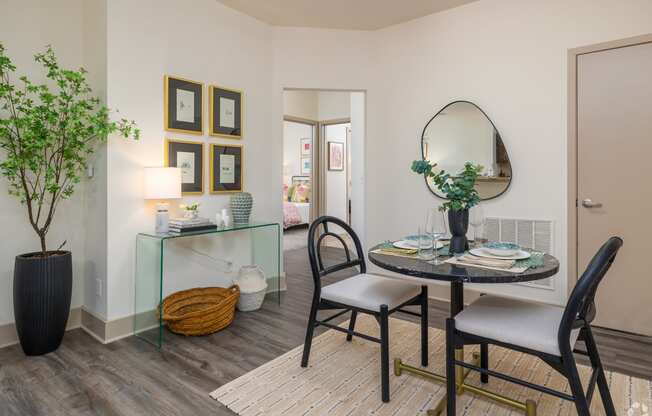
[(256, 243)]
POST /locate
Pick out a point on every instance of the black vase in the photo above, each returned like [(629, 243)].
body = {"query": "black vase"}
[(458, 221), (42, 290)]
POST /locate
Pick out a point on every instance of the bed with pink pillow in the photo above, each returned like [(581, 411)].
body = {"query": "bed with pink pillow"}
[(296, 203)]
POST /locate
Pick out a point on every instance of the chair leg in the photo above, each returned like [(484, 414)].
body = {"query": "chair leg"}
[(575, 383), (424, 326), (484, 362), (354, 315), (596, 363), (384, 353), (311, 329), (451, 387)]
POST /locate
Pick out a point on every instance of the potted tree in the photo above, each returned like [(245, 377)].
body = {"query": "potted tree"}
[(47, 133), (461, 194)]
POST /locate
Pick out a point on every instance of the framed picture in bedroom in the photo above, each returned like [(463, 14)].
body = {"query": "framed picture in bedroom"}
[(189, 156), (225, 112), (226, 166), (183, 110), (335, 156), (306, 165), (306, 147)]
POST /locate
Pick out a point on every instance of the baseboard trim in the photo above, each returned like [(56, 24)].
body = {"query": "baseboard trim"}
[(106, 331), (109, 331), (99, 328), (9, 336)]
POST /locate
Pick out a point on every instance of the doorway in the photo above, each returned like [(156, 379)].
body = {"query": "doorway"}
[(610, 97), (336, 168), (323, 159), (299, 207)]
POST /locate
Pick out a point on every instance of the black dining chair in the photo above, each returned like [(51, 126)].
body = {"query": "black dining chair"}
[(364, 292), (548, 332)]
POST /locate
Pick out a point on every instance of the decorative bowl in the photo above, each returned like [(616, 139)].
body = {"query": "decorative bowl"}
[(501, 248)]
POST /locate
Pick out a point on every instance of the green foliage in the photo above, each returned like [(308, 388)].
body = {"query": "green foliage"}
[(460, 189), (47, 133)]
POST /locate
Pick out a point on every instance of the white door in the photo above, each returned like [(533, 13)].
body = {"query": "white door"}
[(614, 121)]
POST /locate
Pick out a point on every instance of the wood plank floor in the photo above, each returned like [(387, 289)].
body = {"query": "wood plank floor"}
[(130, 377)]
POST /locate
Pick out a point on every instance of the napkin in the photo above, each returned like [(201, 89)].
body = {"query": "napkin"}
[(395, 250), (498, 263)]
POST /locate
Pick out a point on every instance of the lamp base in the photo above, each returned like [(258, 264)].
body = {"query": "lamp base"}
[(162, 218)]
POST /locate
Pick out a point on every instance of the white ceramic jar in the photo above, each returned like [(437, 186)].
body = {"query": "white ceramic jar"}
[(253, 286)]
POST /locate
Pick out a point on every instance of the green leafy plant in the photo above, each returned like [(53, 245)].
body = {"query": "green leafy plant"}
[(190, 207), (47, 133), (459, 189)]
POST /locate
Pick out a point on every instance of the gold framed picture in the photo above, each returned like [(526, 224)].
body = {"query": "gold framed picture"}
[(226, 168), (225, 114), (183, 105), (189, 156)]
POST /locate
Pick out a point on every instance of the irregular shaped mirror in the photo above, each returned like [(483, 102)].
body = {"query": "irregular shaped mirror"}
[(461, 132)]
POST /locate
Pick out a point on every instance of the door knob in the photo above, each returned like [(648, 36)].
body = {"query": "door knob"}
[(587, 203)]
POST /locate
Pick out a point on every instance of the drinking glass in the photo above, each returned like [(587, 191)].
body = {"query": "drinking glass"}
[(436, 228), (424, 244), (477, 220)]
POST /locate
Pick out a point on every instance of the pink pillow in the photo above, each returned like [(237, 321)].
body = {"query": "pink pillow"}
[(301, 194)]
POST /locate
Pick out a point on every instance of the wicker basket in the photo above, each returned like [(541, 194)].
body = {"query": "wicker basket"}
[(200, 311)]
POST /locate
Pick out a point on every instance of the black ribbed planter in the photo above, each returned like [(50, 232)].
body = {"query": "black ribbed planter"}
[(458, 222), (42, 290)]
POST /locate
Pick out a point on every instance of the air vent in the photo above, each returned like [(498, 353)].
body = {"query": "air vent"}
[(536, 234)]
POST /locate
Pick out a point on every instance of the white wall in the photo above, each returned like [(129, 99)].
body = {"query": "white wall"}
[(150, 38), (292, 135), (302, 104), (510, 58), (334, 105), (95, 199), (507, 56), (26, 27), (336, 181), (358, 136)]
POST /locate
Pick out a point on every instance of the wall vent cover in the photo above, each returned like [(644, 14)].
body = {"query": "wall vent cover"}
[(535, 234)]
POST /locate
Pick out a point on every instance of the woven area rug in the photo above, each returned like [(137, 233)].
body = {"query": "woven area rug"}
[(344, 379)]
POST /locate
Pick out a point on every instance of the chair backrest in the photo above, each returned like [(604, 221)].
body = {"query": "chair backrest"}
[(580, 309), (318, 232)]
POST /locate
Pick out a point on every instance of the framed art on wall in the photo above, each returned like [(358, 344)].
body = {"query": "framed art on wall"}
[(335, 156), (189, 156), (225, 113), (183, 105), (306, 166), (226, 168), (306, 147)]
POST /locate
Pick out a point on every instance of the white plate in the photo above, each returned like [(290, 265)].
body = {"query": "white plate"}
[(481, 252), (412, 245)]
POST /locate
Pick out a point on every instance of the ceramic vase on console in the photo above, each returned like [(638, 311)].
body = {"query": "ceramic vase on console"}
[(241, 204), (458, 222)]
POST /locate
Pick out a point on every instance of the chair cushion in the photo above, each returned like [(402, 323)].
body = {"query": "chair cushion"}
[(526, 324), (369, 291)]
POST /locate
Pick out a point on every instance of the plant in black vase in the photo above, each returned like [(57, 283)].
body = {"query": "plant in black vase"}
[(47, 133), (461, 194)]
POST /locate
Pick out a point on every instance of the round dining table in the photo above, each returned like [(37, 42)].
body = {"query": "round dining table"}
[(422, 271)]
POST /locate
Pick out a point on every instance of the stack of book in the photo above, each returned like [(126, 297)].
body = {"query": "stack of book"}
[(179, 226)]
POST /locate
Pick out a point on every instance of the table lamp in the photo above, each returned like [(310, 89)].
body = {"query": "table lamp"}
[(162, 183)]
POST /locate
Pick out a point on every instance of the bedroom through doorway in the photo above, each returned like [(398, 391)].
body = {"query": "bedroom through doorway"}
[(323, 165)]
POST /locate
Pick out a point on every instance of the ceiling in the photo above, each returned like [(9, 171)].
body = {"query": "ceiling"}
[(340, 14)]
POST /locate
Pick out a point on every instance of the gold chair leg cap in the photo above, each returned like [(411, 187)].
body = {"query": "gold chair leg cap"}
[(530, 408), (398, 367)]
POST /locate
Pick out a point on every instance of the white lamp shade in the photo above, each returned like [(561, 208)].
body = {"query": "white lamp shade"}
[(162, 183)]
